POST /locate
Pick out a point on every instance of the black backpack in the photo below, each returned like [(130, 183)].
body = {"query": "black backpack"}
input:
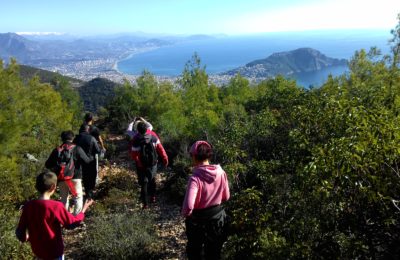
[(148, 153), (66, 165)]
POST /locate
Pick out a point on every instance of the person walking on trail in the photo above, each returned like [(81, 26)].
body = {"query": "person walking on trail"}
[(95, 132), (42, 219), (144, 149), (66, 161), (89, 170), (207, 189)]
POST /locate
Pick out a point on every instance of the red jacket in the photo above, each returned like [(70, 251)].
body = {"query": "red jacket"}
[(43, 219), (134, 148)]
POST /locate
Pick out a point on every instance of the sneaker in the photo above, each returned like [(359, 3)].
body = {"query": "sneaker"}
[(153, 199)]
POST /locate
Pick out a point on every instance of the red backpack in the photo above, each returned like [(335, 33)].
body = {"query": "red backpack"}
[(66, 165)]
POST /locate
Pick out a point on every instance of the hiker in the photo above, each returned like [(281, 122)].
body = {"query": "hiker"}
[(42, 219), (89, 170), (144, 148), (207, 189), (66, 161), (95, 132), (132, 127)]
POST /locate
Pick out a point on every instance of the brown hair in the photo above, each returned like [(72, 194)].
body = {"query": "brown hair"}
[(45, 181)]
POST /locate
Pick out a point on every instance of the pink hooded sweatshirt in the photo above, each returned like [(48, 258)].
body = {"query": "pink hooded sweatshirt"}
[(208, 186)]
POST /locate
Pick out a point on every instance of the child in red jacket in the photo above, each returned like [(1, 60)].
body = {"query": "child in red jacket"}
[(42, 220)]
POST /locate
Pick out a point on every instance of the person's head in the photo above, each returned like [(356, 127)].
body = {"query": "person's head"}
[(142, 127), (46, 182), (201, 151), (88, 117), (67, 136), (84, 128)]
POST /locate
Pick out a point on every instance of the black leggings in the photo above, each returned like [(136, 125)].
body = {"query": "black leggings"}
[(207, 234), (89, 175)]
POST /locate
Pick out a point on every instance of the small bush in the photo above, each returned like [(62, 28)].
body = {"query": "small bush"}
[(119, 200), (123, 180), (10, 247), (121, 236), (176, 184)]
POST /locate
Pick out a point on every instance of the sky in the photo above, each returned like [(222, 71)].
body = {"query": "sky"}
[(232, 17)]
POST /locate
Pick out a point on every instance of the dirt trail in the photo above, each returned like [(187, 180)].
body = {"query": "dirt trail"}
[(169, 224)]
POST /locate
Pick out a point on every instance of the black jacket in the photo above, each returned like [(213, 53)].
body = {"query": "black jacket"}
[(80, 158), (88, 143)]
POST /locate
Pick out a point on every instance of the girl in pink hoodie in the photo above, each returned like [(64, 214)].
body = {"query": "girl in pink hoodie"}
[(205, 217)]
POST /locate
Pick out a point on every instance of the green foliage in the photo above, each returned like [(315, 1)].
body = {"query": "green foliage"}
[(31, 120), (96, 93), (120, 236), (32, 116), (252, 237), (70, 97), (10, 247)]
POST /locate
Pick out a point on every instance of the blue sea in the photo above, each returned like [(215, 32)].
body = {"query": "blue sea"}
[(220, 54)]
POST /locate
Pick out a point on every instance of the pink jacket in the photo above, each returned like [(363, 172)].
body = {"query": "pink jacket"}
[(208, 186)]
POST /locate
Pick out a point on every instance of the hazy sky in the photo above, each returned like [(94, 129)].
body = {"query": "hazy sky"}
[(191, 17)]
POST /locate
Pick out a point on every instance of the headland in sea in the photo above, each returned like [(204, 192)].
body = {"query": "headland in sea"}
[(220, 54)]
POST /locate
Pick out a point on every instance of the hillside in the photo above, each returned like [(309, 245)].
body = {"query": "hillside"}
[(96, 93), (14, 45), (287, 63), (27, 72)]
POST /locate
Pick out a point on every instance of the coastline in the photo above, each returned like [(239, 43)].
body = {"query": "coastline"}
[(128, 55)]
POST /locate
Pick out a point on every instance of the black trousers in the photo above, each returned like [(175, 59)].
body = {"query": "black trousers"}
[(89, 175), (147, 182), (205, 237)]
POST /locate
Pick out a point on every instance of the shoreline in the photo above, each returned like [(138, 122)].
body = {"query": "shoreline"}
[(128, 55)]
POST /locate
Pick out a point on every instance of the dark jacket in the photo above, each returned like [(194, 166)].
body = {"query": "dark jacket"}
[(80, 157), (93, 130), (88, 143)]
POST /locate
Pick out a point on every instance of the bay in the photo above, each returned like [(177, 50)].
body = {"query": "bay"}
[(220, 54)]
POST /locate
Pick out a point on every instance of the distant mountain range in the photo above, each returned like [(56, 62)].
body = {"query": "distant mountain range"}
[(287, 63), (35, 52)]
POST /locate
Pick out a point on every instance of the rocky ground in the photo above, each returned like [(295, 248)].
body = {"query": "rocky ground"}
[(169, 224)]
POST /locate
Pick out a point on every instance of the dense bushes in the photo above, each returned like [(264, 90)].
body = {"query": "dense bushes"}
[(118, 228), (127, 235), (32, 117), (314, 172)]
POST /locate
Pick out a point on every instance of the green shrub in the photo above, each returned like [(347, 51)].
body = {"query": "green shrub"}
[(119, 200), (121, 179), (121, 236), (175, 186), (10, 247)]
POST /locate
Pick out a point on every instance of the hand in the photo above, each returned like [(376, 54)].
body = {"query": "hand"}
[(88, 203)]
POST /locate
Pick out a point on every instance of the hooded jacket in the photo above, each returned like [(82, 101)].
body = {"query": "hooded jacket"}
[(208, 186)]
